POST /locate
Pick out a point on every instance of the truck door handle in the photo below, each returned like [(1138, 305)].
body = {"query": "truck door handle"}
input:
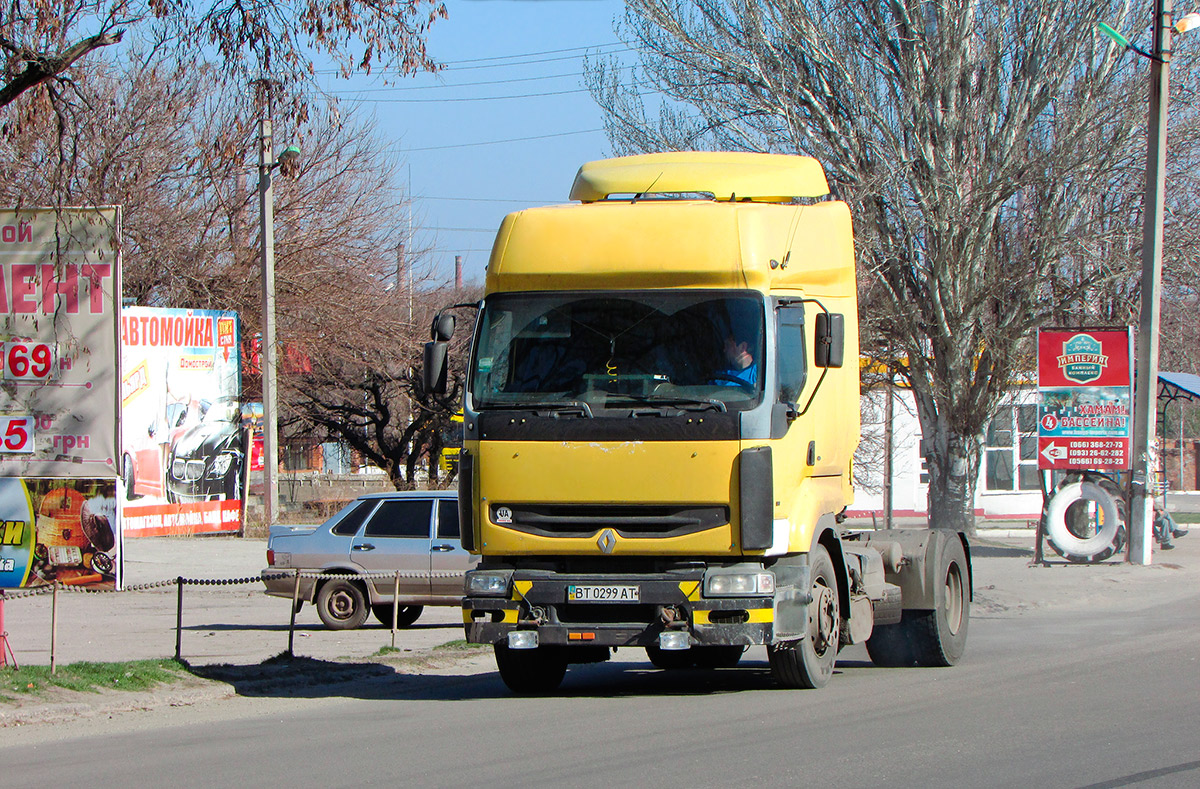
[(443, 548), (366, 546)]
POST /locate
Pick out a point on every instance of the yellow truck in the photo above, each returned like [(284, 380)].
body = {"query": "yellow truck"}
[(660, 412)]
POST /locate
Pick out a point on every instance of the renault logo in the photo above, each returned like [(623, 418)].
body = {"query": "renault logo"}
[(607, 541)]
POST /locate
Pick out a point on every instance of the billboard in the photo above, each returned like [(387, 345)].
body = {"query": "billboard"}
[(58, 385), (1085, 388), (58, 530), (183, 442), (59, 402)]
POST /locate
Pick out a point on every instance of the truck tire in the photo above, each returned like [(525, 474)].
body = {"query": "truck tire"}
[(342, 605), (404, 617), (1073, 521), (718, 656), (531, 672), (808, 662), (1064, 532), (930, 638)]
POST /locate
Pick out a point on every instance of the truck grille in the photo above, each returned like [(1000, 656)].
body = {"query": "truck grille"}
[(601, 614), (653, 521)]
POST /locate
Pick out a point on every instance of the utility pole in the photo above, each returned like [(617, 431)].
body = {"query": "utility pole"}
[(1146, 387), (266, 202)]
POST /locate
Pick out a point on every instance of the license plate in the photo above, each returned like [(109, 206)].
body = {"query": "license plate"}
[(602, 594)]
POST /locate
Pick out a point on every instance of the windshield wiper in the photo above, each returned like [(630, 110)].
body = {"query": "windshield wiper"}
[(667, 405), (690, 403)]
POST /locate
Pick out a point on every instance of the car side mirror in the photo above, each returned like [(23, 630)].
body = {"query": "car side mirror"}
[(830, 348)]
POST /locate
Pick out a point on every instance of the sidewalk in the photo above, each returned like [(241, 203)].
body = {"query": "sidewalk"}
[(240, 624), (221, 623)]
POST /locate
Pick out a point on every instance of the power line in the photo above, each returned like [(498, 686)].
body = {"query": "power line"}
[(449, 86), (546, 52), (519, 60), (482, 200), (398, 89), (494, 142), (474, 98), (532, 62)]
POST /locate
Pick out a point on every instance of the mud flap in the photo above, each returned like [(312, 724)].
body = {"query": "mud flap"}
[(793, 593)]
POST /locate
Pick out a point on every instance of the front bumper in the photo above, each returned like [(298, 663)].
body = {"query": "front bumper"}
[(666, 602)]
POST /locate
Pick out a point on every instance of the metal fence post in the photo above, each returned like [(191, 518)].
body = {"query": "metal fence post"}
[(395, 607), (179, 618), (53, 627), (295, 605), (5, 648)]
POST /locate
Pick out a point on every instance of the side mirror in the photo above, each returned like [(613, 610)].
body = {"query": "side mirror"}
[(435, 365), (443, 328), (830, 347)]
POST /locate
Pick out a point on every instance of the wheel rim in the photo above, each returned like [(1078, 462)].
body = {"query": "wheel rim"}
[(341, 605), (822, 619), (954, 598)]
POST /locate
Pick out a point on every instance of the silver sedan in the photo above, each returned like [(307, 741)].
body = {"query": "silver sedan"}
[(412, 533)]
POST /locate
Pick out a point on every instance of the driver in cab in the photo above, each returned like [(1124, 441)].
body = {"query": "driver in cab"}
[(739, 368)]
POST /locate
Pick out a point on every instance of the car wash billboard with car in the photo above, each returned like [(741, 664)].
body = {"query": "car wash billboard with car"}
[(182, 436), (1085, 420), (59, 403)]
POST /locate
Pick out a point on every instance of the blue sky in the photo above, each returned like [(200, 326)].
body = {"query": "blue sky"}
[(513, 70)]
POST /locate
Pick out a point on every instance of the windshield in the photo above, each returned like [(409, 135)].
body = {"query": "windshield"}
[(619, 350)]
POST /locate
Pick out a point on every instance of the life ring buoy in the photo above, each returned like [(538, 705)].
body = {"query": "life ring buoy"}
[(1056, 520)]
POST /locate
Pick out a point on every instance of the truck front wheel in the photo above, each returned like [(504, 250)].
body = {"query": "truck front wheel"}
[(808, 663), (931, 638), (529, 672)]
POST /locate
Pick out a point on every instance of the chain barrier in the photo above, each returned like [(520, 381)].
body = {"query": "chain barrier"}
[(180, 582), (11, 594)]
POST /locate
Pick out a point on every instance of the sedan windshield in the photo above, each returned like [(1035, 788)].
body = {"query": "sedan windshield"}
[(669, 349)]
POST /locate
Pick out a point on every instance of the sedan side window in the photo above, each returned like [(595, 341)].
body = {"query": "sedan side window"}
[(354, 517), (402, 518), (448, 519)]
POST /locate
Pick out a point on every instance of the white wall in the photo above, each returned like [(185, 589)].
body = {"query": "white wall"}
[(909, 492)]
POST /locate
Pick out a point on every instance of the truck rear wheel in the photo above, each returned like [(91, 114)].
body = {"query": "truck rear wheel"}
[(670, 659), (808, 663), (342, 604), (718, 656), (931, 638), (404, 617), (529, 672)]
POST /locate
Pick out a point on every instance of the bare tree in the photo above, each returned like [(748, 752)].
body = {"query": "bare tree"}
[(988, 150), (172, 146), (364, 386), (45, 40)]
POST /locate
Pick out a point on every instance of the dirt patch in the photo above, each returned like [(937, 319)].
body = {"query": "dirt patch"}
[(280, 676)]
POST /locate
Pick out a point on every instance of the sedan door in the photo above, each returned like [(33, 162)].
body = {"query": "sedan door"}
[(448, 556), (396, 537)]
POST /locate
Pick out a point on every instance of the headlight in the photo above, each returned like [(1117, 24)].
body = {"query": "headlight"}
[(739, 584), (221, 464), (488, 583)]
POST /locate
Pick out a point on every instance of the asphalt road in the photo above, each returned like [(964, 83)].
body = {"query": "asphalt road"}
[(1075, 676)]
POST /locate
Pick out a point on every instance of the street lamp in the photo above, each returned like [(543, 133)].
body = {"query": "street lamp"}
[(1141, 514), (287, 161)]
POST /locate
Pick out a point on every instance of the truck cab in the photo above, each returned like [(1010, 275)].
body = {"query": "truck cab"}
[(660, 413)]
